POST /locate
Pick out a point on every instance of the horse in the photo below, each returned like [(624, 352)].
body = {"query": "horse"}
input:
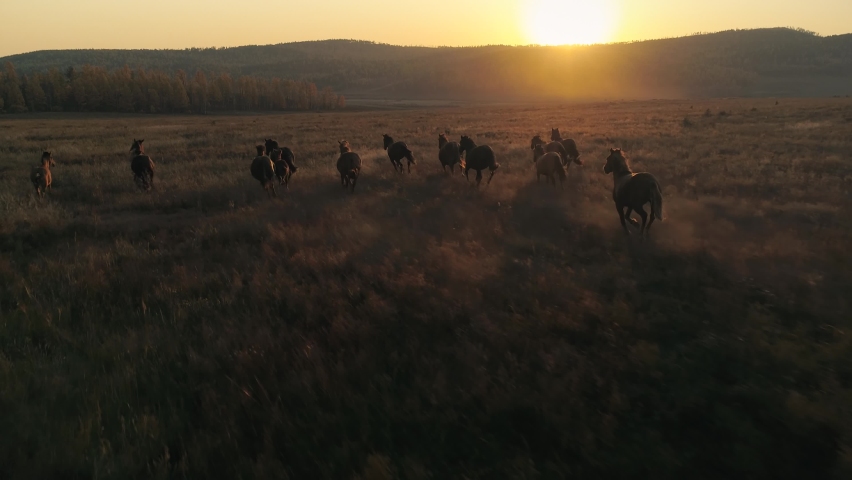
[(448, 154), (349, 165), (633, 191), (557, 147), (550, 165), (536, 141), (478, 158), (263, 170), (41, 176), (396, 152), (282, 168), (142, 166), (569, 144), (286, 154)]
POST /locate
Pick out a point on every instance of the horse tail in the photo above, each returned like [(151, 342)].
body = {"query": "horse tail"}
[(657, 201)]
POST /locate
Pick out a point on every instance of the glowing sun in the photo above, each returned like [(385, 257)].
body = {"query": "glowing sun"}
[(563, 22)]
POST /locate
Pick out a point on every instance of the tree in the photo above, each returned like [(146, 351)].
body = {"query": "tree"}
[(33, 93), (56, 88), (180, 100), (11, 90), (199, 92)]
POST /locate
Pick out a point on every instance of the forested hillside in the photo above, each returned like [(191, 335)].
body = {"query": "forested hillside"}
[(95, 89), (766, 62)]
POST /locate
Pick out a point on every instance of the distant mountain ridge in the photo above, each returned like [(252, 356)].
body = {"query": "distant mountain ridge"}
[(762, 62)]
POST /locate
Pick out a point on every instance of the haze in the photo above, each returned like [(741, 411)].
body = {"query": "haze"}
[(158, 24)]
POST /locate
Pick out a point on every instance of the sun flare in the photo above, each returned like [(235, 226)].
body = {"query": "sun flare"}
[(569, 22)]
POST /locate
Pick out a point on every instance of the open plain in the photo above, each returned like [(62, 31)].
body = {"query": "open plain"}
[(420, 327)]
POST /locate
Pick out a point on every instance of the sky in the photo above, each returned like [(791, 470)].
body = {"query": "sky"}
[(30, 25)]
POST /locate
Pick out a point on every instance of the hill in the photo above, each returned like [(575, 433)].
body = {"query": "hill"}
[(763, 62)]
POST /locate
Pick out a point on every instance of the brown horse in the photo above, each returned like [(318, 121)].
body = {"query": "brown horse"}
[(286, 154), (397, 151), (538, 151), (282, 168), (349, 165), (478, 158), (41, 176), (142, 166), (536, 141), (448, 154), (263, 170), (550, 165), (569, 145), (633, 191)]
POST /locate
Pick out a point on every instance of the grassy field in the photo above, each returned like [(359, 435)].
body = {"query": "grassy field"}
[(421, 328)]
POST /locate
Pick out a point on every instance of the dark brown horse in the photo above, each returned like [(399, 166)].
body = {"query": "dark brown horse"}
[(478, 158), (536, 141), (397, 151), (349, 165), (448, 154), (142, 166), (40, 176), (632, 191), (557, 147), (569, 145), (286, 154), (263, 170)]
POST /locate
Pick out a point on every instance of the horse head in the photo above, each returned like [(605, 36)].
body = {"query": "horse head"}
[(555, 136), (615, 162)]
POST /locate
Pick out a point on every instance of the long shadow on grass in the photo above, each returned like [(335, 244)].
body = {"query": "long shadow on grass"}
[(640, 362)]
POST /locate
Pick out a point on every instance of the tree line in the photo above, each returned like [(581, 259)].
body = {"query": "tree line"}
[(95, 89)]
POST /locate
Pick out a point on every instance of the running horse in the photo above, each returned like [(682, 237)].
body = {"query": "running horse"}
[(632, 191)]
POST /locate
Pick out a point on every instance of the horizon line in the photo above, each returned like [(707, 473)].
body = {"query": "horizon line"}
[(626, 42)]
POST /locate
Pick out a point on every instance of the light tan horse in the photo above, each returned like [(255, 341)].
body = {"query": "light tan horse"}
[(40, 176)]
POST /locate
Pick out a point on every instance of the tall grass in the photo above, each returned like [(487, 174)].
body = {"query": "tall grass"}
[(420, 328)]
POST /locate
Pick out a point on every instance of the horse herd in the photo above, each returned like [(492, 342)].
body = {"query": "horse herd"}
[(631, 191)]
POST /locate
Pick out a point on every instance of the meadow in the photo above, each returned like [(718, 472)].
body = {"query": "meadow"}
[(420, 327)]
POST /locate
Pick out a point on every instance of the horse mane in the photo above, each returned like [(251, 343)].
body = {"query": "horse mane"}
[(622, 158)]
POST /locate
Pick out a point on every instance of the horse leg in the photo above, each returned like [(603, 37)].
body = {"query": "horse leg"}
[(478, 177), (641, 212), (354, 181), (630, 219), (490, 177), (620, 209), (653, 216)]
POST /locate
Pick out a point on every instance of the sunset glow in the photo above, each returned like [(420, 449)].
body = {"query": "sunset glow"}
[(564, 22), (165, 24)]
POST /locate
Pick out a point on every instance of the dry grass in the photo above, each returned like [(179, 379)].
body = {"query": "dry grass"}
[(420, 328)]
